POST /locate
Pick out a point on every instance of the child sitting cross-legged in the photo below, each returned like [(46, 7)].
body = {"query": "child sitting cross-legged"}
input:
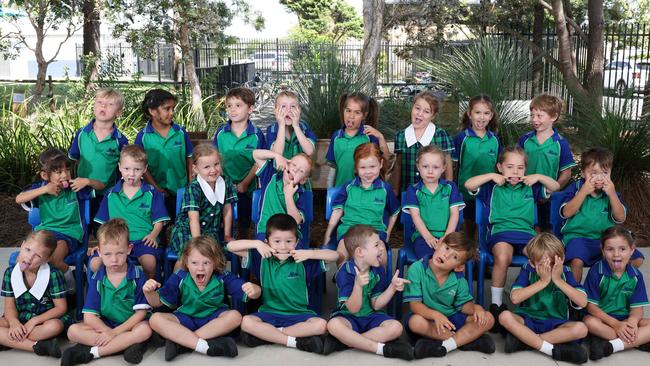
[(439, 297)]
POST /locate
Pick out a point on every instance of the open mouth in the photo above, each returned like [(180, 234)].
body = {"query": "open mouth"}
[(24, 265), (440, 260), (617, 263), (200, 277)]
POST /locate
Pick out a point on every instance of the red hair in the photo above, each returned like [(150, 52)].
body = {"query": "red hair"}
[(367, 150)]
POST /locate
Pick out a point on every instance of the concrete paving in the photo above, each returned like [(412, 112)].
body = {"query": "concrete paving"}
[(282, 356)]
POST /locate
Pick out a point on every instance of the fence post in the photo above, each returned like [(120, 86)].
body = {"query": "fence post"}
[(158, 60)]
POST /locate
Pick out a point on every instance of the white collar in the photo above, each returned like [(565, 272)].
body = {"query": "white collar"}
[(425, 140), (216, 195), (40, 285)]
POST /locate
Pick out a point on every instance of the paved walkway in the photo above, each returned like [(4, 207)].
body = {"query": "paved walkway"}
[(281, 356)]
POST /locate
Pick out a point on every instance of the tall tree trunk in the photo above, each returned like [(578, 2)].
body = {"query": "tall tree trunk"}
[(595, 51), (91, 39), (41, 72), (190, 73), (538, 39), (373, 23)]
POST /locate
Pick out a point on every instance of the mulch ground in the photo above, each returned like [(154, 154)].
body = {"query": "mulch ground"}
[(13, 222)]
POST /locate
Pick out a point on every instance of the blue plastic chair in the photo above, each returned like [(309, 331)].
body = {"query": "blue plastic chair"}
[(556, 220)]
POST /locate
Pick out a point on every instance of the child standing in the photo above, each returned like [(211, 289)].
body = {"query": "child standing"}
[(167, 145), (236, 141), (289, 136), (439, 297), (139, 204), (35, 306), (207, 201), (115, 309), (367, 199), (590, 206), (363, 291), (433, 203), (59, 207), (511, 196), (359, 114), (476, 149), (198, 292), (283, 187), (543, 290), (284, 273), (421, 132)]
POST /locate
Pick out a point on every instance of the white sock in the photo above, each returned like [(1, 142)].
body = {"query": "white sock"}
[(497, 294), (281, 329), (449, 344), (291, 342), (94, 351), (202, 346), (380, 348), (617, 344), (546, 348)]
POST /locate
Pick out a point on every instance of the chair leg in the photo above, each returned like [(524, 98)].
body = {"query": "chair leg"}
[(79, 284), (480, 285), (469, 267)]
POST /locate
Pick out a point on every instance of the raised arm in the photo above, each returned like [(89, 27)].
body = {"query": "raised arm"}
[(474, 183)]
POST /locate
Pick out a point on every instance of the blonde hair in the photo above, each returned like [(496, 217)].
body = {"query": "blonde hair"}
[(549, 104), (110, 93), (135, 152), (204, 149), (45, 238), (113, 231), (287, 93), (309, 160), (544, 243), (209, 248), (431, 149)]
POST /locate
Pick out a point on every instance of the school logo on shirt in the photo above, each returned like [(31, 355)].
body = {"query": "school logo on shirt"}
[(72, 199), (144, 206), (492, 153), (445, 194), (178, 144), (552, 152), (528, 196), (293, 275), (378, 201), (250, 146), (451, 292), (112, 151)]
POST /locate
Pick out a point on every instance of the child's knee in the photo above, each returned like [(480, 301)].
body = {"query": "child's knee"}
[(506, 317), (155, 320), (73, 331), (248, 322), (394, 328), (417, 323), (320, 325), (335, 324), (143, 331), (579, 330)]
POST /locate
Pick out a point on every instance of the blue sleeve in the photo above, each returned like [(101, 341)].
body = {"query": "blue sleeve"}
[(523, 279), (233, 285), (344, 283), (73, 152), (86, 193), (92, 304), (592, 287), (140, 302), (170, 293), (253, 262), (639, 296), (188, 144), (485, 192), (313, 268), (329, 157), (455, 198), (215, 141), (121, 141), (374, 140), (392, 204), (261, 141), (566, 156), (301, 205), (309, 133), (382, 285), (341, 197), (411, 198), (568, 277), (102, 215), (158, 210), (34, 203), (266, 173), (138, 138), (271, 135), (458, 143), (522, 140), (567, 195), (539, 192)]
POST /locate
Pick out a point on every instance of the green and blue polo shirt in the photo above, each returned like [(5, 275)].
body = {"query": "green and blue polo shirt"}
[(475, 156), (549, 158), (340, 152), (237, 151), (379, 282), (433, 206), (291, 144), (613, 295)]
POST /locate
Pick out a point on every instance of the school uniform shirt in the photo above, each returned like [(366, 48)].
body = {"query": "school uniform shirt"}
[(166, 156), (370, 206), (237, 152), (613, 295), (345, 277), (511, 208), (272, 200), (407, 145), (61, 213), (116, 304), (475, 156), (284, 283), (447, 298), (141, 212), (96, 159), (549, 303), (593, 217), (549, 158), (181, 293), (340, 152), (38, 299), (210, 214), (291, 144), (433, 206)]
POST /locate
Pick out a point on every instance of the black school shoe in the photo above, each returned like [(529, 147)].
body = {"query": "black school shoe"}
[(513, 344), (156, 340), (173, 349), (599, 348), (222, 346), (313, 344), (572, 353), (250, 340), (135, 352), (484, 344), (76, 355), (398, 349), (496, 310), (644, 347), (331, 344), (425, 348), (47, 347)]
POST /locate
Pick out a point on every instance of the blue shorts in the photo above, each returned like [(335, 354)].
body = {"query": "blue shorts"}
[(110, 323), (421, 248), (284, 320), (619, 317), (588, 251), (140, 248), (72, 243), (518, 240), (544, 214), (540, 326), (458, 319), (362, 324), (193, 323)]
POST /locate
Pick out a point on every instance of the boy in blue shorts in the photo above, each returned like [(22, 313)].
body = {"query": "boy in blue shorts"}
[(590, 206), (284, 273), (543, 290), (364, 290), (236, 141), (115, 309), (439, 297), (139, 204), (283, 188)]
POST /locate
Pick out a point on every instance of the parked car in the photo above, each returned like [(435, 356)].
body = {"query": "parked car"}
[(623, 74), (271, 61)]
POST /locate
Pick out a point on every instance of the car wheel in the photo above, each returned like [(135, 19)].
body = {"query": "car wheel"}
[(621, 88)]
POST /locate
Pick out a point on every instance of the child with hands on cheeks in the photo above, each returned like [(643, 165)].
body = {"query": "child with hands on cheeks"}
[(289, 136), (364, 289), (441, 304), (616, 294), (201, 320), (34, 305), (542, 292), (512, 198)]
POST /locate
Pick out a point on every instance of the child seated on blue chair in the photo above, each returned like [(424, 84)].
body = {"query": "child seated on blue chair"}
[(591, 205), (433, 203), (511, 196), (441, 304)]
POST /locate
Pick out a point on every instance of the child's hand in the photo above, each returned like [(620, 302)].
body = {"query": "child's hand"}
[(29, 326), (529, 180), (103, 338), (150, 286), (79, 184), (625, 331), (290, 189), (558, 269), (608, 187), (362, 278), (301, 255), (498, 179), (431, 241), (150, 241), (398, 283), (442, 323), (280, 112), (480, 315), (52, 188), (295, 118), (91, 251), (371, 131), (544, 271), (281, 163), (251, 290), (242, 187), (265, 250), (17, 332)]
